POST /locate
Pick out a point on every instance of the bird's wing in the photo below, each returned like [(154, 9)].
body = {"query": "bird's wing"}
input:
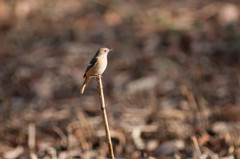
[(91, 64)]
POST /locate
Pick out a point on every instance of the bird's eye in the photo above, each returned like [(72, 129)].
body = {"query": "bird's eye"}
[(105, 50)]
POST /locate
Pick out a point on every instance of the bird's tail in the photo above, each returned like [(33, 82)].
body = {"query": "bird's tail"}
[(85, 84)]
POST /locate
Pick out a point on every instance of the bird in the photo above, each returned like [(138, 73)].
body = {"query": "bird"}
[(96, 66)]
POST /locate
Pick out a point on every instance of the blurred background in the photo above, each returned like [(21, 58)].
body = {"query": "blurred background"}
[(171, 86)]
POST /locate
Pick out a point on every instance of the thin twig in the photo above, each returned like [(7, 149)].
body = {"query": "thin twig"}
[(32, 140), (31, 136), (69, 142), (101, 96), (196, 146), (60, 134)]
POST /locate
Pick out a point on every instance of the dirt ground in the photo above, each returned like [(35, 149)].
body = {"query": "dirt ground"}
[(172, 85)]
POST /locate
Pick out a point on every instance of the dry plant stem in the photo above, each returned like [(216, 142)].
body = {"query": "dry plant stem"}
[(197, 148), (31, 136), (32, 140), (101, 96), (69, 143)]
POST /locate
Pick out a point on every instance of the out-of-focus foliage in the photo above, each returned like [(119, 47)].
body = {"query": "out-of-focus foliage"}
[(174, 77)]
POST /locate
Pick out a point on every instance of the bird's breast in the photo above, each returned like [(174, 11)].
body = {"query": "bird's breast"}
[(101, 65)]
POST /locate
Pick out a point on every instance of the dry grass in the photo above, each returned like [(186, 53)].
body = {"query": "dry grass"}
[(172, 83)]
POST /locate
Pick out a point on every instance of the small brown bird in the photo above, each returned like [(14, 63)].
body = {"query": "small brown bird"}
[(96, 66)]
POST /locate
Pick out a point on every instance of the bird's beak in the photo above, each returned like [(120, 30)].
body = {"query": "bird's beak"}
[(110, 50)]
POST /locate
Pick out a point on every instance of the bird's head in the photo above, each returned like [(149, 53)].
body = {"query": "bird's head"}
[(104, 51)]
